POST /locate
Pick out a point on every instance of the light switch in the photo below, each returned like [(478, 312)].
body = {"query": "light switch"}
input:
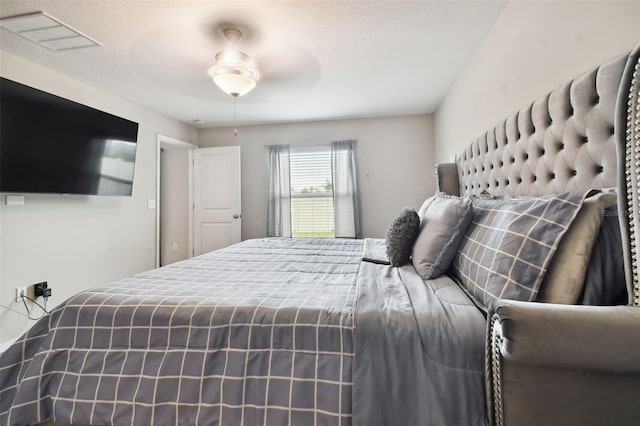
[(15, 200), (151, 204)]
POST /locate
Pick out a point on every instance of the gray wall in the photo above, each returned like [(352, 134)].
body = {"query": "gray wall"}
[(78, 242), (174, 204), (394, 157), (532, 48)]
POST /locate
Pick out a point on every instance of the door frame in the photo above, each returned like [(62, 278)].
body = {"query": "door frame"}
[(162, 140)]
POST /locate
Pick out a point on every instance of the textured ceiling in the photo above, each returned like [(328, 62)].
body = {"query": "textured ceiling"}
[(318, 59)]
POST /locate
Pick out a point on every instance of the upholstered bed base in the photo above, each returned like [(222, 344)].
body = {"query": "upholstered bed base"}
[(556, 364), (628, 142)]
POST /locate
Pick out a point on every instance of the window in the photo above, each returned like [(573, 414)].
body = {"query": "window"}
[(313, 191), (312, 212)]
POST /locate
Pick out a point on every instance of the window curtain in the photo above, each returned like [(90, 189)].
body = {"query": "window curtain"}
[(279, 210), (346, 204)]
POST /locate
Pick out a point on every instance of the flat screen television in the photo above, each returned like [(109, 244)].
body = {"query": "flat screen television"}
[(49, 144)]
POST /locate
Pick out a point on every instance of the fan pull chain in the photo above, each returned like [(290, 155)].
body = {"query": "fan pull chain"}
[(235, 115)]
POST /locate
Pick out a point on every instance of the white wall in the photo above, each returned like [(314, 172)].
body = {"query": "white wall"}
[(532, 48), (394, 157), (78, 242)]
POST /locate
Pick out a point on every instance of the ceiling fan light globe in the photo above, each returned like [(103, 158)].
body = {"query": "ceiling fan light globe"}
[(234, 84)]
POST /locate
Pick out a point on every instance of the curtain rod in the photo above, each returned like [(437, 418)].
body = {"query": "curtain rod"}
[(311, 144)]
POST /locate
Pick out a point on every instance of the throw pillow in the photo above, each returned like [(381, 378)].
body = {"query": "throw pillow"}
[(564, 280), (510, 243), (442, 227), (425, 206), (605, 282), (401, 235)]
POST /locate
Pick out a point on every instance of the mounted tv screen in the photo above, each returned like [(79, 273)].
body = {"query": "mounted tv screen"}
[(49, 144)]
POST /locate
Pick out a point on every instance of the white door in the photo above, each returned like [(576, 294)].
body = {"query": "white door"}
[(216, 198)]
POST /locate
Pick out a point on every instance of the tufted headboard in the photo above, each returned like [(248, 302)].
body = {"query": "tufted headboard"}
[(583, 135), (561, 142)]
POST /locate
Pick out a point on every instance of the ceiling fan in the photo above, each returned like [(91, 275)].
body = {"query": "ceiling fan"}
[(234, 72)]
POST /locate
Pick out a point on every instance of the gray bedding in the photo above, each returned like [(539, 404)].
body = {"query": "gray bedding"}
[(419, 350), (265, 332)]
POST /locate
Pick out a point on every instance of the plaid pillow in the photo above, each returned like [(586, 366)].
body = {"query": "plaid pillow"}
[(510, 243)]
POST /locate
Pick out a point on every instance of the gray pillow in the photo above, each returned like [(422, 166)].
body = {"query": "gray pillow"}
[(442, 227), (564, 279), (605, 281), (401, 235), (510, 244)]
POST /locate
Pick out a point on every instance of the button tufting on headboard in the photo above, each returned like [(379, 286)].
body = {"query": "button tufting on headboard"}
[(562, 141)]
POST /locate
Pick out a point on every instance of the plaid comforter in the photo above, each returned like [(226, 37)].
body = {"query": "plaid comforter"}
[(258, 333)]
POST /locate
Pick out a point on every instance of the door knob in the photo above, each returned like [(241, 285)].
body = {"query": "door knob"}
[(235, 216)]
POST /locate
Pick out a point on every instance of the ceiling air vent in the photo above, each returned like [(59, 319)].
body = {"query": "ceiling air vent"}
[(47, 31)]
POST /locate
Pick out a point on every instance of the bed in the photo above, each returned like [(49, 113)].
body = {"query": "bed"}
[(304, 331), (262, 332)]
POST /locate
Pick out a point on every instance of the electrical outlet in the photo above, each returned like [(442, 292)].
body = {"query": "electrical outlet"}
[(19, 292), (174, 247)]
